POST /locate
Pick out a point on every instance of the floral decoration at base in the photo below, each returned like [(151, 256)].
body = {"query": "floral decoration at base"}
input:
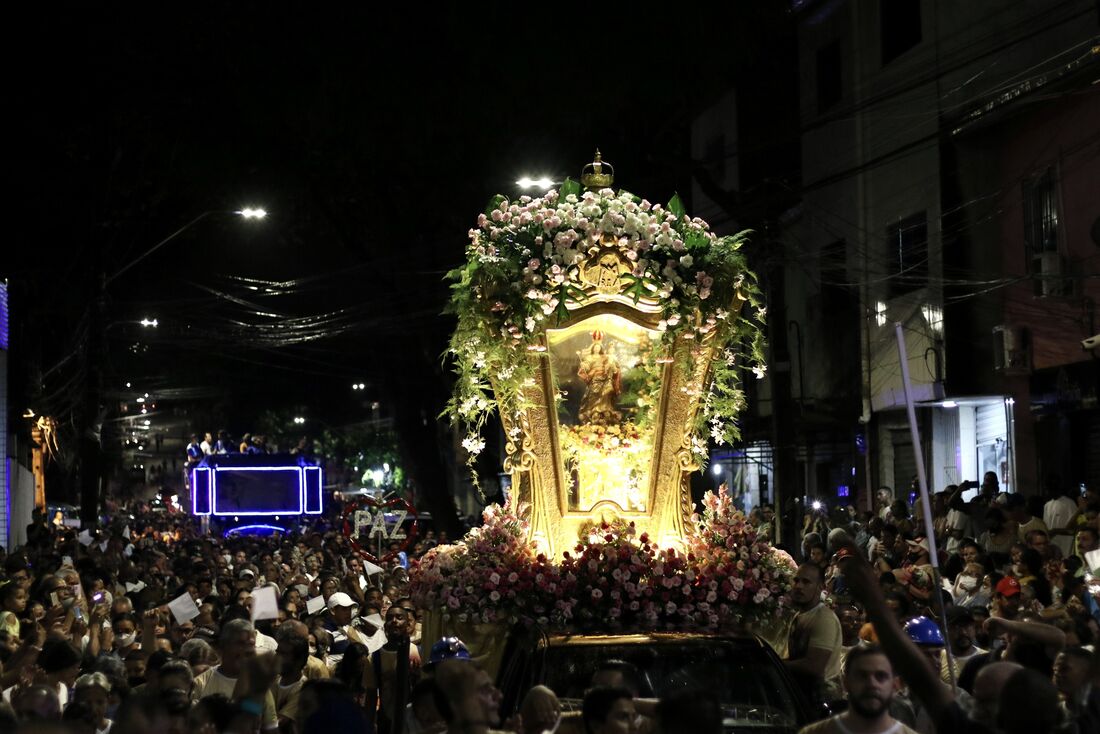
[(615, 579)]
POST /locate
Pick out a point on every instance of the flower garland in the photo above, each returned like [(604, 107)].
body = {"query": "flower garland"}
[(522, 273), (492, 575), (614, 579), (744, 578)]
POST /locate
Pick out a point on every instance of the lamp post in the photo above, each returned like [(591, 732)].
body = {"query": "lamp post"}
[(90, 439)]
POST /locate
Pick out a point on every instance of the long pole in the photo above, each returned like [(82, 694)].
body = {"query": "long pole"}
[(926, 504)]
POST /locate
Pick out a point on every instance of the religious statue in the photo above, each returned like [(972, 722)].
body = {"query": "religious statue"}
[(602, 377)]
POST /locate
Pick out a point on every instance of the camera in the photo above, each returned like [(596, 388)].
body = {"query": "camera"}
[(1091, 343)]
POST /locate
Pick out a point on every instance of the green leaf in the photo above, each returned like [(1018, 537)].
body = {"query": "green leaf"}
[(494, 203), (561, 313), (637, 287), (569, 186), (696, 241), (676, 206)]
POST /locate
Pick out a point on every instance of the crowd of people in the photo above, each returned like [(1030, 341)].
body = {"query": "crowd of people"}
[(224, 444), (1011, 605), (148, 624)]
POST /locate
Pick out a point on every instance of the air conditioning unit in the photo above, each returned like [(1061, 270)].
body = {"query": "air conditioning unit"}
[(1049, 269), (1011, 350)]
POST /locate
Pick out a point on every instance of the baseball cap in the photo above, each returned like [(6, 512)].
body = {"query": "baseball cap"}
[(340, 599), (920, 543), (1008, 586)]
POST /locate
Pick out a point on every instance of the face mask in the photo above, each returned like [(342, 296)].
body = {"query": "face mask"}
[(968, 583), (126, 640)]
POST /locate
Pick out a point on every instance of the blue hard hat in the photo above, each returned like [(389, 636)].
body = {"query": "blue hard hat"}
[(924, 631), (448, 648)]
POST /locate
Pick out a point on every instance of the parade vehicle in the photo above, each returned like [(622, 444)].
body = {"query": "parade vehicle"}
[(264, 493), (754, 690), (613, 338)]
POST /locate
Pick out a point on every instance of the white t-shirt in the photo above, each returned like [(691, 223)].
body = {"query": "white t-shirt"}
[(1056, 514)]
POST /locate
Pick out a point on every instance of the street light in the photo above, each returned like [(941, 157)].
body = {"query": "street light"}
[(529, 183), (250, 213), (299, 420), (149, 322)]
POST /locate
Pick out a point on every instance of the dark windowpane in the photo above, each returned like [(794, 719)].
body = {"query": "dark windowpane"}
[(1041, 214), (900, 27), (907, 255), (1041, 222)]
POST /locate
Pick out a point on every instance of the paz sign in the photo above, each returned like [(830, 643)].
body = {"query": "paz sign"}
[(369, 521), (376, 524)]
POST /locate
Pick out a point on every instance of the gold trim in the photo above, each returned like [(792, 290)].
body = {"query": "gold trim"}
[(534, 458)]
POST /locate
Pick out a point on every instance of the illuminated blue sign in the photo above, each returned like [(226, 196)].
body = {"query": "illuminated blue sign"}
[(253, 486), (3, 316)]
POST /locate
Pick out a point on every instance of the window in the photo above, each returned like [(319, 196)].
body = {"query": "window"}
[(828, 76), (1040, 202), (899, 27), (1041, 214), (907, 255)]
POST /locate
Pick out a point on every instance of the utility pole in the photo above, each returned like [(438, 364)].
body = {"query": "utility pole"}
[(91, 424), (782, 429)]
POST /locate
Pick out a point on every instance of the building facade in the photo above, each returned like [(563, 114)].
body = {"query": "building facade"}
[(947, 184)]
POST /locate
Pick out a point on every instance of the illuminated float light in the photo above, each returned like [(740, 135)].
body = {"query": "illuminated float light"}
[(258, 529)]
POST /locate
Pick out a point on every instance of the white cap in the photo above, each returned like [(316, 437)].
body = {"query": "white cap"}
[(340, 599)]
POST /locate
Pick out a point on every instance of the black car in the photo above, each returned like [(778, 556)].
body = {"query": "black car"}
[(750, 681)]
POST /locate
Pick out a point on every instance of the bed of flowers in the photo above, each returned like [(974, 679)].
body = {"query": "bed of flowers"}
[(615, 579), (522, 274)]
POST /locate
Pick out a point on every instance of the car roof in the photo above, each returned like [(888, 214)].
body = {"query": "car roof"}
[(653, 638)]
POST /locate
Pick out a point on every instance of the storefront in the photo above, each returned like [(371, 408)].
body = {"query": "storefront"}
[(969, 437)]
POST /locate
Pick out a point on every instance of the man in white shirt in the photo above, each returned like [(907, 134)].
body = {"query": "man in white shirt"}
[(960, 635), (237, 646), (869, 681), (1057, 514)]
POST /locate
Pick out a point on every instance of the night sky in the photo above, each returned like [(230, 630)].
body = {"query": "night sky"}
[(374, 138)]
